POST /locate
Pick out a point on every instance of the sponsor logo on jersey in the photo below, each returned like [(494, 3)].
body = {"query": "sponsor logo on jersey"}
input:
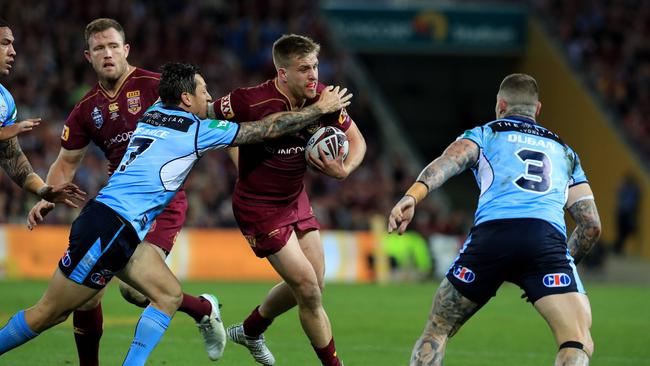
[(226, 107), (556, 280), (66, 261), (464, 274), (97, 118), (133, 101), (98, 278), (122, 137), (343, 116), (65, 134), (218, 124), (273, 233), (285, 150)]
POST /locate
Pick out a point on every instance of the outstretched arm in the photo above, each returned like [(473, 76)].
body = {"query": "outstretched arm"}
[(15, 163), (582, 207), (460, 155), (283, 123), (18, 128)]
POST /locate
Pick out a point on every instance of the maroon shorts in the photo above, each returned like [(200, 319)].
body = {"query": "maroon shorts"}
[(267, 227), (168, 224)]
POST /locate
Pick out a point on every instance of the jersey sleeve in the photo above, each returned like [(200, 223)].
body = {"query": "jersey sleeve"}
[(74, 136), (340, 119), (475, 135), (8, 110), (214, 134), (578, 175), (234, 106)]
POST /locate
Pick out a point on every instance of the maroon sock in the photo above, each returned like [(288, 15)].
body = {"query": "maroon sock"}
[(256, 324), (88, 329), (327, 354), (195, 306)]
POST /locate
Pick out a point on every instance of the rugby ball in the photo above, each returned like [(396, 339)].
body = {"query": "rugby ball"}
[(330, 139)]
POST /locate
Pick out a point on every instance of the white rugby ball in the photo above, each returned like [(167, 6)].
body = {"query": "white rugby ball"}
[(330, 139)]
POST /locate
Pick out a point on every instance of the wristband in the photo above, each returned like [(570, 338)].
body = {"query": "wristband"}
[(418, 191)]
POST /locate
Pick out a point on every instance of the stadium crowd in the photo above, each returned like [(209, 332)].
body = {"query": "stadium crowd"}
[(610, 42), (231, 41)]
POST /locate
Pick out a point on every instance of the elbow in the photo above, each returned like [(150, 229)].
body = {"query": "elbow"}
[(594, 231)]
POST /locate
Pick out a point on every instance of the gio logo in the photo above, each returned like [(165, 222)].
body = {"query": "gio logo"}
[(556, 280), (464, 274)]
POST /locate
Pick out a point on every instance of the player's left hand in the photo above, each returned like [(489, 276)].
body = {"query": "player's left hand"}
[(334, 168), (401, 215), (67, 193)]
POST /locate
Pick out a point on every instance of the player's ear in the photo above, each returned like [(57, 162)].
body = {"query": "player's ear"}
[(502, 107), (538, 109), (127, 48), (186, 100), (87, 56), (282, 74)]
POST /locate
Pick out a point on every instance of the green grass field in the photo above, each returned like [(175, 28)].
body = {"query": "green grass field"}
[(373, 325)]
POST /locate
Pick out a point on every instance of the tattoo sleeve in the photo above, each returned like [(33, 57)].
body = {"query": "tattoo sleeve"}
[(276, 125), (587, 231), (460, 155), (14, 161)]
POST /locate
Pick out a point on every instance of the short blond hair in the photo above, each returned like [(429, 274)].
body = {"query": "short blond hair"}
[(521, 93), (102, 24), (291, 45)]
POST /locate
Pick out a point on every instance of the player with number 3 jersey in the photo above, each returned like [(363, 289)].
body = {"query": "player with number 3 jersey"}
[(527, 176)]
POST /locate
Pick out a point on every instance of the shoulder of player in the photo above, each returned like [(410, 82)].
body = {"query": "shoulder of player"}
[(145, 74), (87, 98), (260, 94)]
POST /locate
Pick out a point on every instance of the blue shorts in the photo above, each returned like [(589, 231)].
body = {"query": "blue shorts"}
[(530, 253), (101, 244)]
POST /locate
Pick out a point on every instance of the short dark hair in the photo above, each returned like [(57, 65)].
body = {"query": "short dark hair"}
[(102, 24), (520, 84), (177, 78), (292, 45), (3, 23)]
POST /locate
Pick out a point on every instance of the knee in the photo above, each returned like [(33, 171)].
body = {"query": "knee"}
[(309, 294), (134, 297), (170, 298)]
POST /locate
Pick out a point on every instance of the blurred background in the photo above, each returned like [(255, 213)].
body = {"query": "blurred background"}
[(422, 72)]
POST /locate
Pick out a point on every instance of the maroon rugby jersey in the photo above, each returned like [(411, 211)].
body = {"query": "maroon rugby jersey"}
[(109, 121), (272, 171)]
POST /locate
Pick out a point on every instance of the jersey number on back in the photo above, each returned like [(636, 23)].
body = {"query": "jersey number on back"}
[(137, 146), (537, 177)]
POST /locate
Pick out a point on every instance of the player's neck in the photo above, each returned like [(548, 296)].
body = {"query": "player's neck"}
[(112, 86), (518, 115), (284, 89)]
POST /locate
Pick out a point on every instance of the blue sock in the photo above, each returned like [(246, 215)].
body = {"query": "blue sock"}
[(15, 333), (151, 327)]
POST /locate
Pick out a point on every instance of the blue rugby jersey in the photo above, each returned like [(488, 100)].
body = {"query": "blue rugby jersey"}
[(165, 145), (524, 171), (8, 110)]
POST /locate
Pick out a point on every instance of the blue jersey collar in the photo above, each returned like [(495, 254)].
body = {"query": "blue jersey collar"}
[(518, 119)]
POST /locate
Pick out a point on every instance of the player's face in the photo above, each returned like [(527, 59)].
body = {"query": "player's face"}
[(107, 53), (7, 51), (302, 76), (200, 99)]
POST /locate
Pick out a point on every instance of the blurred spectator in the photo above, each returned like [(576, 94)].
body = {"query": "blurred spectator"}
[(627, 211), (609, 41)]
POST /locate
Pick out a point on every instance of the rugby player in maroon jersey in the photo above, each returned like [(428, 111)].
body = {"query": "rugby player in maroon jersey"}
[(107, 116), (270, 202)]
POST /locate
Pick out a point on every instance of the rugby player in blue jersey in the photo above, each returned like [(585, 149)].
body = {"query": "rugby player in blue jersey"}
[(169, 139), (12, 159), (526, 176)]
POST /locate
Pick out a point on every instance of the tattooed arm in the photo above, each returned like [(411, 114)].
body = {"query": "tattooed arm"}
[(15, 163), (460, 155), (283, 123), (581, 206)]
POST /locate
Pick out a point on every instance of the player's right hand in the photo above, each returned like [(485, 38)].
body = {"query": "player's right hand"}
[(333, 99), (38, 213), (68, 193), (401, 215)]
